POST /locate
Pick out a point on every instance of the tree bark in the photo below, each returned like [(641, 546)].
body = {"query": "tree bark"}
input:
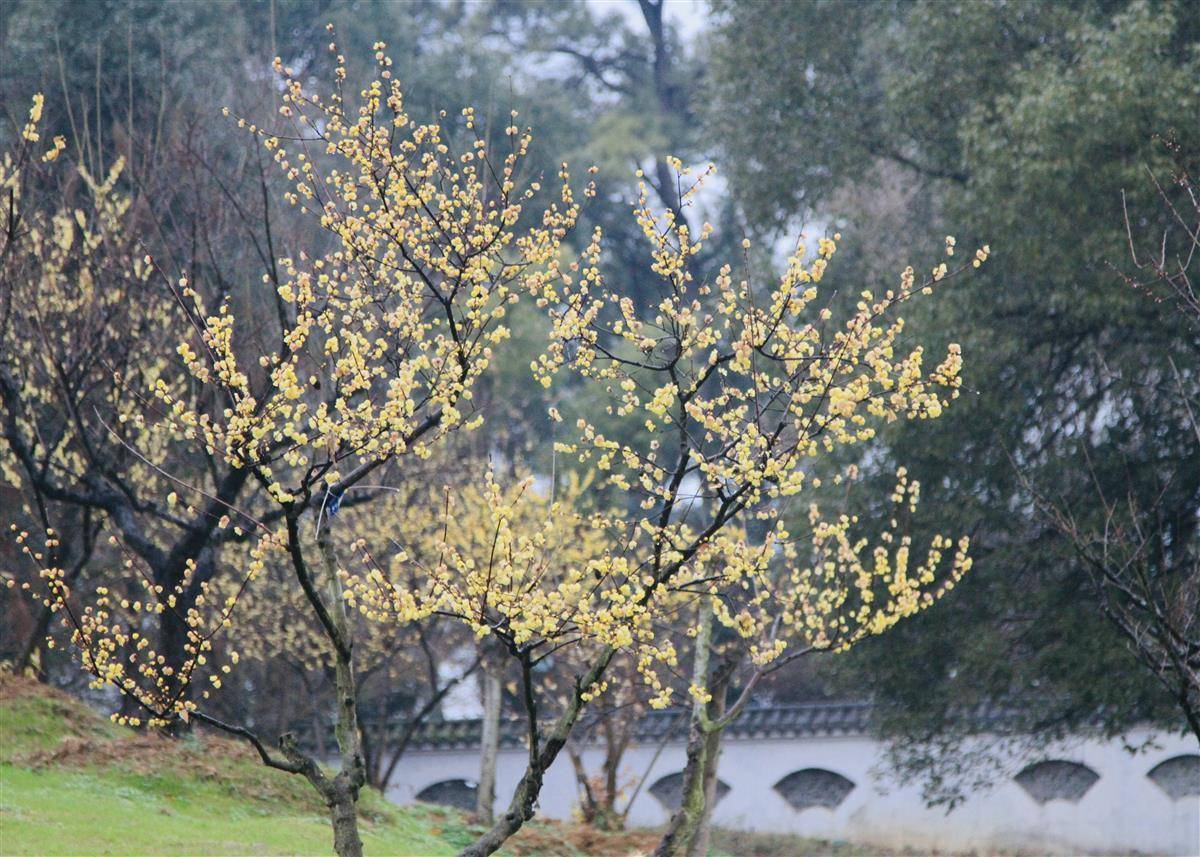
[(343, 813), (681, 830), (485, 795), (520, 808), (344, 794), (35, 645), (341, 791), (698, 847), (614, 750), (687, 833), (682, 827)]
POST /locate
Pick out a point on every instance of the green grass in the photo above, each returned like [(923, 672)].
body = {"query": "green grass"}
[(93, 812), (72, 783)]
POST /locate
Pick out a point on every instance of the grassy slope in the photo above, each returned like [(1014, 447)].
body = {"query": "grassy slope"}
[(72, 783)]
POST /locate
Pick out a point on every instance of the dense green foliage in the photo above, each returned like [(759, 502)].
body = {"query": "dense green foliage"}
[(1024, 123)]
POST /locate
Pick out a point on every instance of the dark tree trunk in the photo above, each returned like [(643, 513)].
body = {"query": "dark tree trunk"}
[(343, 812), (35, 644), (520, 808)]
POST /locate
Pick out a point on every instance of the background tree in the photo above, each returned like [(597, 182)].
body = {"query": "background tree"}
[(1036, 136), (71, 407), (74, 392), (1144, 561)]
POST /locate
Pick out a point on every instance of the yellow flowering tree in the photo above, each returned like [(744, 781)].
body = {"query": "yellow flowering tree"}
[(737, 389), (733, 392), (380, 341), (405, 671), (521, 566), (89, 329), (786, 596), (84, 329)]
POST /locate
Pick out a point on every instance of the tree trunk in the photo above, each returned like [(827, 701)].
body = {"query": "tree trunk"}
[(36, 644), (698, 847), (485, 796), (682, 827), (699, 774), (520, 808), (340, 791), (344, 803), (607, 817), (343, 812), (681, 830), (588, 807)]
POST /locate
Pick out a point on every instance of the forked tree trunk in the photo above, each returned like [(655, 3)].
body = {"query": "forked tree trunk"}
[(520, 808)]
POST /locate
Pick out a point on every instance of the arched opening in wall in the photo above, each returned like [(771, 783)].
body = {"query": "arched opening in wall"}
[(814, 787), (1179, 777), (456, 793), (1056, 779), (669, 791)]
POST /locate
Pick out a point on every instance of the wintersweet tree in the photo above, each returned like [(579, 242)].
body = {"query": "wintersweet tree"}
[(527, 570), (404, 671), (737, 390), (785, 596), (612, 722), (77, 306), (381, 340), (89, 327)]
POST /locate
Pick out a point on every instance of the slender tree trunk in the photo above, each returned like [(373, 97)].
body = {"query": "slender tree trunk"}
[(485, 796), (429, 709), (614, 749), (343, 799), (685, 823), (588, 806), (698, 847), (340, 792), (681, 830), (520, 808)]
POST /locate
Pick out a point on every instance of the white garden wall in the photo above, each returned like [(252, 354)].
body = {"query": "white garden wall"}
[(1122, 810)]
